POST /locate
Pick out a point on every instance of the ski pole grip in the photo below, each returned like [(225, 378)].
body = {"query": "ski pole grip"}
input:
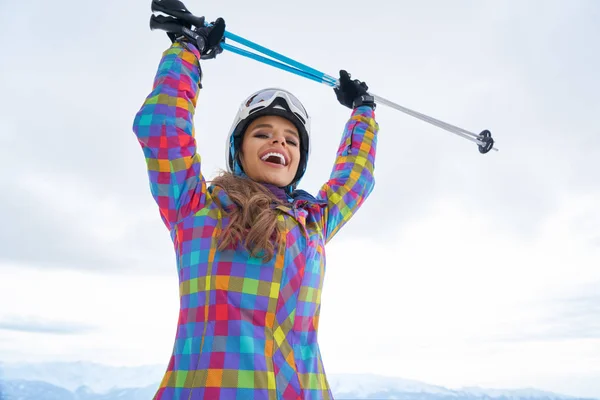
[(177, 9), (165, 24)]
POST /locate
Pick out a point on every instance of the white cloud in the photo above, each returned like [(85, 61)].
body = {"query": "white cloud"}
[(450, 300), (63, 220), (455, 299), (134, 316)]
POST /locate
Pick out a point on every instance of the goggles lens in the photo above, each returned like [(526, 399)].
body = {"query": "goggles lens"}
[(270, 94)]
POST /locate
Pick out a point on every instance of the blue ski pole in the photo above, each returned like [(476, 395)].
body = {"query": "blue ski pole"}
[(483, 140), (177, 10)]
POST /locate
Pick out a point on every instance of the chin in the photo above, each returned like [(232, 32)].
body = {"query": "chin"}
[(277, 178), (277, 181)]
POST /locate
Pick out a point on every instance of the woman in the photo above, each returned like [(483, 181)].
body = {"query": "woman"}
[(249, 246)]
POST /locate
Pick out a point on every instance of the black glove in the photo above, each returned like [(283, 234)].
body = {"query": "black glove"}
[(353, 93), (207, 39), (182, 25)]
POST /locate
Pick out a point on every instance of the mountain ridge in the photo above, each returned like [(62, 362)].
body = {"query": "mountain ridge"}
[(93, 381)]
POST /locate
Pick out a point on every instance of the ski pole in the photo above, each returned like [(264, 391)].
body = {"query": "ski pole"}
[(277, 56), (176, 9), (483, 140), (274, 63), (313, 74)]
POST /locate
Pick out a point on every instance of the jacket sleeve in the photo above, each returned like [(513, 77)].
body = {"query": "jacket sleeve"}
[(164, 128), (351, 180)]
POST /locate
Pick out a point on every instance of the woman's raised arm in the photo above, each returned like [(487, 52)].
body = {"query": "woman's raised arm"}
[(352, 178), (164, 127)]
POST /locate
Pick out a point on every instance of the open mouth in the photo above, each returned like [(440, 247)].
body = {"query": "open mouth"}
[(274, 158)]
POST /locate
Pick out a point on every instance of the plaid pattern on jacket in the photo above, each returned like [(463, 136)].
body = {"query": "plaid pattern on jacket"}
[(246, 329)]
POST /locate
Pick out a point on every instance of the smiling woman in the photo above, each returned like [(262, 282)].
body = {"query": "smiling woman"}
[(270, 151), (250, 246)]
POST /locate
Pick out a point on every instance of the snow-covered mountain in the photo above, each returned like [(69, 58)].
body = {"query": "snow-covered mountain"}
[(35, 390), (366, 384), (97, 377), (88, 381)]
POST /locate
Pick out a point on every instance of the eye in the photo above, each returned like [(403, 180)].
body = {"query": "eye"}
[(261, 135), (292, 142)]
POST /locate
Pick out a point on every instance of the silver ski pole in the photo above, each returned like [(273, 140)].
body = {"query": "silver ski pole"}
[(483, 140)]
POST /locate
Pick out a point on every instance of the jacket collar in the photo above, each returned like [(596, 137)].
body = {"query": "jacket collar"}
[(298, 197)]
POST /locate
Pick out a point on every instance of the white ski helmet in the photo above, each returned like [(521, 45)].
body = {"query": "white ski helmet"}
[(270, 101)]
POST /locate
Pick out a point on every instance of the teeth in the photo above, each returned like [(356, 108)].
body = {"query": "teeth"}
[(275, 155)]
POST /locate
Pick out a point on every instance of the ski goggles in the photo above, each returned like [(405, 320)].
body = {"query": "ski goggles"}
[(266, 97)]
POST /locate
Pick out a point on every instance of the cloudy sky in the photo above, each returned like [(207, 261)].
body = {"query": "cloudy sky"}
[(461, 269)]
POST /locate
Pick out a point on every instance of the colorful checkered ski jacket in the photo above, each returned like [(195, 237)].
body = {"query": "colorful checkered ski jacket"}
[(247, 330)]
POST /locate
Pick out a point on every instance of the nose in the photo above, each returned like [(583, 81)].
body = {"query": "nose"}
[(281, 140)]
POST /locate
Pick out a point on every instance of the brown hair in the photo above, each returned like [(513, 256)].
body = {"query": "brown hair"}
[(253, 222)]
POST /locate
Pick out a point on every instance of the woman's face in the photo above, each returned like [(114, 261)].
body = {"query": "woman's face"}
[(271, 150)]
